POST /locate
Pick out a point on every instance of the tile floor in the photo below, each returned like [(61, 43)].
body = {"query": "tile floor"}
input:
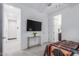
[(34, 51)]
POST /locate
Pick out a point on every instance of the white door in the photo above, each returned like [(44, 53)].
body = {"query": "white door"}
[(57, 20), (11, 25)]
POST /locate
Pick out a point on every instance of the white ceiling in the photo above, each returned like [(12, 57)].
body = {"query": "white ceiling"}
[(58, 6), (38, 6), (45, 7)]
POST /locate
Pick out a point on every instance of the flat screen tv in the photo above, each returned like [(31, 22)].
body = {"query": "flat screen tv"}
[(33, 25)]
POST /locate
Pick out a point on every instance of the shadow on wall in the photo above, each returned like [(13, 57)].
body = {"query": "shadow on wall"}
[(0, 29)]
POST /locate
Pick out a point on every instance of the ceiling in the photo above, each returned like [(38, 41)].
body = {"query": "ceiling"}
[(59, 6), (38, 6), (45, 7)]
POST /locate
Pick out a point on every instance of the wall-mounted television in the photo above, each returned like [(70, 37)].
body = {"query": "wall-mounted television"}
[(33, 25)]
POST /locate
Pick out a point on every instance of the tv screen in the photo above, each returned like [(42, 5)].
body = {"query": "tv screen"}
[(33, 25)]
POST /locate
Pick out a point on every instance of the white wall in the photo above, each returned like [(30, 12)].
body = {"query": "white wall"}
[(70, 23), (70, 26), (30, 13)]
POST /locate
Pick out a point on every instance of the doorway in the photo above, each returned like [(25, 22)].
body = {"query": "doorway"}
[(11, 29), (57, 31)]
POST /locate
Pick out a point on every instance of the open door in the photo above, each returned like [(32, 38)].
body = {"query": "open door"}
[(11, 29), (57, 22)]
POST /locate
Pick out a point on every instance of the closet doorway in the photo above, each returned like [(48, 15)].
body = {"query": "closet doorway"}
[(57, 25)]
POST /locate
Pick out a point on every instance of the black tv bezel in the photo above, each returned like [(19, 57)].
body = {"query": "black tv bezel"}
[(33, 21)]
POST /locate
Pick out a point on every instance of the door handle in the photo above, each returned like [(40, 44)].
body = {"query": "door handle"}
[(3, 37), (17, 27)]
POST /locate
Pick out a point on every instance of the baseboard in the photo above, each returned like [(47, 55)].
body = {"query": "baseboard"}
[(11, 38), (34, 46), (44, 43), (0, 53)]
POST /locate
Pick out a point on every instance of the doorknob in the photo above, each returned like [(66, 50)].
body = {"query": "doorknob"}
[(3, 37), (17, 27)]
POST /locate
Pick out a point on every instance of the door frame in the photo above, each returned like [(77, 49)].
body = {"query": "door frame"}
[(59, 26), (5, 24)]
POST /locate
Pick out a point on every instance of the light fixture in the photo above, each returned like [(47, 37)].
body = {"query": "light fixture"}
[(49, 4)]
